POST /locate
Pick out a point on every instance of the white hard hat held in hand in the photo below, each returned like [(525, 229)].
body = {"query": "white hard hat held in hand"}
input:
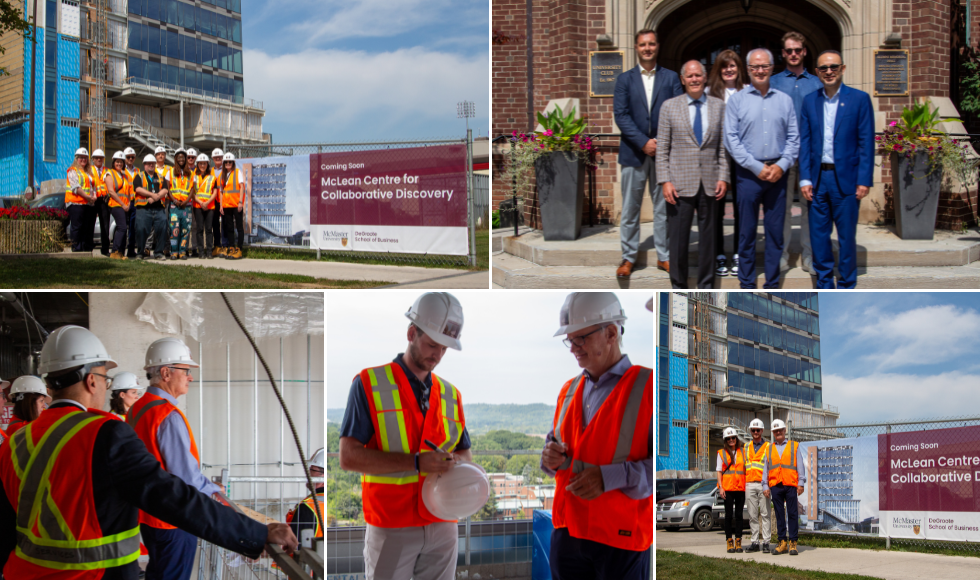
[(440, 316), (168, 351), (585, 309), (71, 347), (458, 493)]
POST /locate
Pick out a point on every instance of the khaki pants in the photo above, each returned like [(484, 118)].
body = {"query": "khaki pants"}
[(760, 512), (423, 553)]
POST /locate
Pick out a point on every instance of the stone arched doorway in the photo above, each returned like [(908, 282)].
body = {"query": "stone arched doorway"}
[(700, 29)]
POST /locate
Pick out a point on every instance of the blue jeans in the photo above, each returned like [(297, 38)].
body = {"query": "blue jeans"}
[(831, 207), (577, 559), (171, 553), (785, 494), (635, 180), (753, 192), (155, 220)]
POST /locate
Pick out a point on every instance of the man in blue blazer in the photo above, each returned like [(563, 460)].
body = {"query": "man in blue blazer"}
[(837, 148), (636, 104)]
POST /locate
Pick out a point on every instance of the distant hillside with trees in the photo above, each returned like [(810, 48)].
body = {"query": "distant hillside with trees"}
[(481, 418)]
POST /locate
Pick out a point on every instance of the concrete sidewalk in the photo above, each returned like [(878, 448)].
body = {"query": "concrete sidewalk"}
[(400, 276), (891, 565)]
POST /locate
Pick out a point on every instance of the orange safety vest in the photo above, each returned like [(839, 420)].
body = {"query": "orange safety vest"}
[(85, 182), (165, 172), (145, 417), (46, 470), (131, 177), (732, 474), (782, 469), (15, 424), (202, 190), (180, 187), (393, 500), (317, 516), (619, 432), (231, 191), (98, 178), (755, 461), (124, 188)]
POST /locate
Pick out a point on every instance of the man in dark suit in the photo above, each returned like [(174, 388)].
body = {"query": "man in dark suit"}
[(639, 94), (837, 149)]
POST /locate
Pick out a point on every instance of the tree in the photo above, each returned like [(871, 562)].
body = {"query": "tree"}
[(515, 465), (489, 510), (492, 463), (12, 20)]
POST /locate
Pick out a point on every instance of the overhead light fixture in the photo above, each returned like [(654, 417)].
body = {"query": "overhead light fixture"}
[(746, 5)]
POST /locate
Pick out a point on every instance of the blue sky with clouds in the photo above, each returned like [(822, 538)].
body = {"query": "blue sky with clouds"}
[(355, 70), (900, 355)]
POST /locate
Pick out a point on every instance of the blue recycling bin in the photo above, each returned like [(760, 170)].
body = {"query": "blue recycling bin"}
[(541, 528)]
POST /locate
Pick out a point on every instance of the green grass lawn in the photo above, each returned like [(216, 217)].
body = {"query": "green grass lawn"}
[(482, 255), (77, 273), (680, 566), (829, 541)]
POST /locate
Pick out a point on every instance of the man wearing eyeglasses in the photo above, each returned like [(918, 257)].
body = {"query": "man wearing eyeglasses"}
[(796, 82), (600, 450), (762, 137), (164, 429), (759, 505), (837, 148)]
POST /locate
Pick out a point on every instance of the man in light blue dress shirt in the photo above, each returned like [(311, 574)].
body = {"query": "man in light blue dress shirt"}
[(796, 82), (762, 137)]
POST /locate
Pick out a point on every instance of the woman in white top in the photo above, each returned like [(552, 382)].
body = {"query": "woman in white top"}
[(727, 77)]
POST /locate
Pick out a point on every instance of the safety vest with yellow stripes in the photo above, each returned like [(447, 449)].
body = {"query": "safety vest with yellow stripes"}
[(231, 189), (203, 187), (732, 474), (782, 467), (619, 432), (85, 182), (755, 460), (124, 188), (393, 500), (98, 179), (131, 177), (180, 187)]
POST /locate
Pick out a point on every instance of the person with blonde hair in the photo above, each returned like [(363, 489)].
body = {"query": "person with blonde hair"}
[(120, 192), (80, 194)]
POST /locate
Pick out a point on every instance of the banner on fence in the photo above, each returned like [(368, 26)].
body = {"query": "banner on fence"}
[(405, 200), (921, 485)]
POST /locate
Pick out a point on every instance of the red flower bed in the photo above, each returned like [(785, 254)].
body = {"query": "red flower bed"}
[(38, 213)]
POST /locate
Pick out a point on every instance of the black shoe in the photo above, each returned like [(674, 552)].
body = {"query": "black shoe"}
[(753, 547), (765, 548)]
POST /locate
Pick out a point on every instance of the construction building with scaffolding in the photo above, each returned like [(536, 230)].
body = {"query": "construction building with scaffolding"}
[(724, 359), (111, 74)]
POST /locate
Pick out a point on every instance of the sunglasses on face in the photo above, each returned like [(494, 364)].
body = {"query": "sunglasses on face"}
[(793, 50), (828, 67)]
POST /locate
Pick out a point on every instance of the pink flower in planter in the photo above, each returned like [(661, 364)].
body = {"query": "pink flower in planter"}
[(897, 147), (893, 124), (548, 133)]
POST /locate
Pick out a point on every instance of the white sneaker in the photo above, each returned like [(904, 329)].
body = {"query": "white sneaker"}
[(722, 269), (735, 265)]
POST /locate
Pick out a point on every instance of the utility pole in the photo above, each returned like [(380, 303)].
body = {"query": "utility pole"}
[(30, 150)]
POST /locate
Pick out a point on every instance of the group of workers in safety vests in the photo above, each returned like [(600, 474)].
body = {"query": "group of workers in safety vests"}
[(158, 209), (403, 424), (86, 491), (760, 472)]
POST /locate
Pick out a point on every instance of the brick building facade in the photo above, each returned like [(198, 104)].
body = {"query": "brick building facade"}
[(563, 32)]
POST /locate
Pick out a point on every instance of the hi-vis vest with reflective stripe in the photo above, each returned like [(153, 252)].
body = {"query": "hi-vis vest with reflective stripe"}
[(180, 187), (46, 470), (619, 432), (393, 500), (202, 190), (231, 190), (98, 178), (782, 469), (131, 176), (145, 417), (755, 461), (15, 424), (124, 188), (85, 181), (732, 474), (317, 515)]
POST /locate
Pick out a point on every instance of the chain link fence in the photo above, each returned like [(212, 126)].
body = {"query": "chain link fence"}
[(854, 464), (478, 198)]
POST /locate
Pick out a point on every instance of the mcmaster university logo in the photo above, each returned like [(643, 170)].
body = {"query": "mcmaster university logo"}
[(343, 242), (915, 529)]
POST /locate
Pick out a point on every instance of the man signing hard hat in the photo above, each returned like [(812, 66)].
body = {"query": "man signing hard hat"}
[(600, 450), (392, 411)]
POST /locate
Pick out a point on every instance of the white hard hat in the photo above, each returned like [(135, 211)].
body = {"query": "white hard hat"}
[(229, 157), (168, 351), (124, 381), (439, 315), (778, 424), (317, 459), (81, 151), (119, 155), (458, 493), (70, 347), (203, 157), (160, 149), (217, 153), (729, 432), (149, 159), (129, 151), (585, 309), (180, 150), (27, 384), (757, 424), (98, 153), (4, 384)]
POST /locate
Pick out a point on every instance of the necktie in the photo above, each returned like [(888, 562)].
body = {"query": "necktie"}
[(697, 121)]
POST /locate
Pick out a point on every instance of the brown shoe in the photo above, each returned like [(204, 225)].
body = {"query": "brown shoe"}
[(625, 269), (782, 548), (792, 548), (738, 545), (731, 546), (665, 266)]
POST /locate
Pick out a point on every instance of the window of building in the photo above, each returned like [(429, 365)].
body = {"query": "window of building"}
[(50, 141), (663, 440), (51, 53)]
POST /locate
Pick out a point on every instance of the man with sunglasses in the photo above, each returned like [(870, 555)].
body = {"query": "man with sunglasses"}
[(600, 450), (164, 429), (837, 157), (759, 505), (796, 82)]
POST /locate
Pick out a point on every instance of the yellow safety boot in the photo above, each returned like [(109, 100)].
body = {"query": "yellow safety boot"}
[(738, 545), (782, 548), (731, 546), (216, 251), (792, 548)]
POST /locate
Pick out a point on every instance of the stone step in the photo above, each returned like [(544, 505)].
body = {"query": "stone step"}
[(511, 272)]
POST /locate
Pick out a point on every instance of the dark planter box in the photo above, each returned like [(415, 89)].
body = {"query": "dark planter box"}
[(561, 194), (508, 215), (916, 195)]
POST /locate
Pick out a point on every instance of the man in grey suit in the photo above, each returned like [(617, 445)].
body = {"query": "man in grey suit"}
[(693, 170)]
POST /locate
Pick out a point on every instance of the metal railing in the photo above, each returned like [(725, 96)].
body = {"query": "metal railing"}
[(158, 134), (175, 91)]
